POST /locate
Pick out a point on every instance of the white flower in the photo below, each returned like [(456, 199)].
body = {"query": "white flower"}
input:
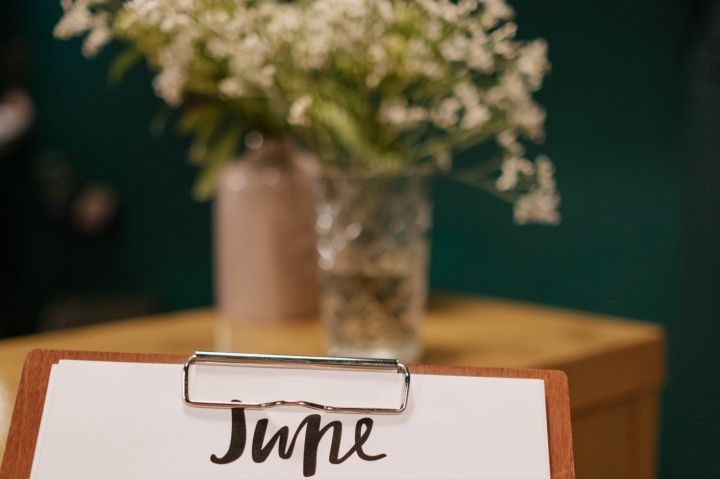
[(174, 22), (529, 117), (455, 48), (476, 114), (434, 29), (541, 204), (510, 91), (414, 79), (380, 65), (298, 111), (508, 140), (393, 112), (169, 84), (397, 112), (479, 59), (99, 35), (171, 80), (445, 116), (265, 77), (75, 22), (545, 172), (538, 206), (467, 93), (494, 11), (231, 87), (147, 12), (215, 19), (218, 48), (78, 18), (475, 117), (512, 169), (385, 9), (502, 40), (532, 62)]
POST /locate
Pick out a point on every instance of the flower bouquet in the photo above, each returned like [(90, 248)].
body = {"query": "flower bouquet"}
[(380, 91)]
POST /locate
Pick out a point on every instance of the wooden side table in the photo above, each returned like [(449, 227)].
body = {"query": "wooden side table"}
[(615, 367)]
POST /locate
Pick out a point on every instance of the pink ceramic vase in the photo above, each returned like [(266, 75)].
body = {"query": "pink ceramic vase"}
[(265, 260)]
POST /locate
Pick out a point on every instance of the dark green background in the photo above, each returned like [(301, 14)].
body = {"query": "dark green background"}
[(629, 126)]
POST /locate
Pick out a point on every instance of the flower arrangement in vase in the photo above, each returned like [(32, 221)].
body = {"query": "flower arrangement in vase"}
[(382, 92)]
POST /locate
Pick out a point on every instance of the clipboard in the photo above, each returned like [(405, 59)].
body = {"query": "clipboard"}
[(27, 415)]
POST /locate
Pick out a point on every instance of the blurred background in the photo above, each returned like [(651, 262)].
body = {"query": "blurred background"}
[(97, 220)]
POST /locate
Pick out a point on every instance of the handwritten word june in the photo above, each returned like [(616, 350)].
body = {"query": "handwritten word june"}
[(314, 433)]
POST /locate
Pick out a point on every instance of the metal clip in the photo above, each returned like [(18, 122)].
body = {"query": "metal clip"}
[(297, 362)]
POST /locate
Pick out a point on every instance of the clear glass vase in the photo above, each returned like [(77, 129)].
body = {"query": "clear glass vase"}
[(372, 244)]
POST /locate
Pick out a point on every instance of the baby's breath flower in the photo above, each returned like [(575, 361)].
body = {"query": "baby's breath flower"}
[(231, 87), (380, 84), (99, 35), (513, 168), (529, 117), (538, 206), (169, 85), (494, 11), (455, 48), (532, 62), (474, 117), (397, 112), (508, 140), (445, 115), (298, 111), (76, 21)]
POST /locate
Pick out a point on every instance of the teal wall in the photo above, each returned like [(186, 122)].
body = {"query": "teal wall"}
[(613, 131), (163, 244), (614, 101)]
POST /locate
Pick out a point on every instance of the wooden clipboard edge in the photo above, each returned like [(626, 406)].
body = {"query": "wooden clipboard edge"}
[(557, 407), (27, 414)]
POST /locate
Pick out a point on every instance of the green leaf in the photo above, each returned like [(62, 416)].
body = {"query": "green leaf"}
[(122, 64), (219, 153), (343, 126), (202, 122), (199, 118)]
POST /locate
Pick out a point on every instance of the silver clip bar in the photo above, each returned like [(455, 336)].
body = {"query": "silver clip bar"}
[(296, 362)]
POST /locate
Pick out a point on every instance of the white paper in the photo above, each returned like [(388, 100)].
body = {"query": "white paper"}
[(126, 420)]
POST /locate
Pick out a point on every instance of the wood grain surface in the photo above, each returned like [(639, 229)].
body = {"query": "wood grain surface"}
[(22, 437)]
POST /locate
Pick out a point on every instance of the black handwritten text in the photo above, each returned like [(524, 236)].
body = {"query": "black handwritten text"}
[(314, 432)]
